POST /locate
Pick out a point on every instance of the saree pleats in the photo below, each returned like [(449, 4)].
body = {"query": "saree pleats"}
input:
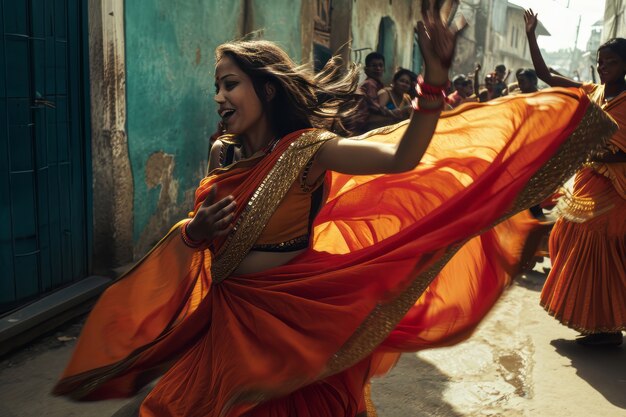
[(586, 287), (303, 338)]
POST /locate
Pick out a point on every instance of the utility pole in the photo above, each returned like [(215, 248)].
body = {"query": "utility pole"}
[(574, 55)]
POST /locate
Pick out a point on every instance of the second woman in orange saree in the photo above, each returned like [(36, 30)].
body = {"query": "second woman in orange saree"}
[(586, 287)]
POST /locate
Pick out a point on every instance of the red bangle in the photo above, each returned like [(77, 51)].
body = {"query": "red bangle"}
[(429, 92), (426, 90), (193, 244), (416, 107)]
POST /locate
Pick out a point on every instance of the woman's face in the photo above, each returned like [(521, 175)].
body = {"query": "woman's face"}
[(402, 84), (611, 68), (239, 106)]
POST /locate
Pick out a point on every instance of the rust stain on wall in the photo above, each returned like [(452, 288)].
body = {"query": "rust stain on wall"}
[(160, 173), (198, 56)]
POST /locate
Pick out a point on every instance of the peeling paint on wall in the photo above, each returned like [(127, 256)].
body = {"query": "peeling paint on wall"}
[(198, 56), (171, 112), (159, 175)]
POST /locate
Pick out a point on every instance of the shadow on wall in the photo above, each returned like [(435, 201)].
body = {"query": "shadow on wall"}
[(413, 388), (604, 368)]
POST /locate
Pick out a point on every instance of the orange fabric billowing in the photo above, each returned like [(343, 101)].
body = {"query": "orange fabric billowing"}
[(452, 306), (586, 287), (264, 344)]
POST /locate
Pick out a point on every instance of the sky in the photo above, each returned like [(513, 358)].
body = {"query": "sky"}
[(561, 20)]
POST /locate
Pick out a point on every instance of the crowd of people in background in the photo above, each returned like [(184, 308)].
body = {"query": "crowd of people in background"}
[(387, 104)]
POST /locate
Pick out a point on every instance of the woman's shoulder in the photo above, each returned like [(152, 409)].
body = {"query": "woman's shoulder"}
[(384, 91)]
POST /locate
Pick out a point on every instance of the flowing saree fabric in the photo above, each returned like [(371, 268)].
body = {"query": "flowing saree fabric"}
[(586, 287), (303, 334)]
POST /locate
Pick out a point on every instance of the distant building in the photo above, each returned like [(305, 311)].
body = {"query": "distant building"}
[(589, 56), (614, 20), (505, 37)]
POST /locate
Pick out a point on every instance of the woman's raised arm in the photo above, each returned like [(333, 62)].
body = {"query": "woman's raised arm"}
[(543, 72)]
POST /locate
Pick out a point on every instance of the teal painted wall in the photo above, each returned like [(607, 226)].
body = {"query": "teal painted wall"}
[(170, 110), (170, 61), (280, 22)]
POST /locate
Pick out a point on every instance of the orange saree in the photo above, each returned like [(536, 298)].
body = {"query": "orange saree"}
[(586, 287), (303, 338)]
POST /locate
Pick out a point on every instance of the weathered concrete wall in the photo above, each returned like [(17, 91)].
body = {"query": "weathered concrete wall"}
[(340, 35), (171, 114), (280, 21), (366, 19), (468, 48), (112, 176)]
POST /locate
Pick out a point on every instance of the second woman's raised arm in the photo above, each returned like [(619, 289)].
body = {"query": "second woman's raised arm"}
[(542, 70)]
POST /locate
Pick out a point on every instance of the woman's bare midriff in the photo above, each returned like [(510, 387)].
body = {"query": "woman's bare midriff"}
[(258, 261)]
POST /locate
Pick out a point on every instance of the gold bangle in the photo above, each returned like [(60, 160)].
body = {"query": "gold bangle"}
[(193, 244)]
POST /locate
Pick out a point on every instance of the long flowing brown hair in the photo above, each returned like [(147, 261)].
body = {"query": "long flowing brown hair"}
[(328, 99)]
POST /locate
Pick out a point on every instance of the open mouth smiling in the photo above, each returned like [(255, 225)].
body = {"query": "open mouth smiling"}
[(226, 114)]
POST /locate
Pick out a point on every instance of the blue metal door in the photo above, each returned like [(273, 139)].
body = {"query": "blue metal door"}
[(43, 221)]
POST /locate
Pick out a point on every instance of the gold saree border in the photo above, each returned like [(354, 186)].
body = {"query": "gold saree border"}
[(264, 201), (594, 130), (558, 315)]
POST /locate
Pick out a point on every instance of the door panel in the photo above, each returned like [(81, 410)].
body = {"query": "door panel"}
[(43, 243)]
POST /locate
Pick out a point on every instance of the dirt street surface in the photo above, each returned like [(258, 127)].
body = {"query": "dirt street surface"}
[(520, 362)]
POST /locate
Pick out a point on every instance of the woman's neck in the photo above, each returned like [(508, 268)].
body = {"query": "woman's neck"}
[(257, 138), (614, 89), (397, 96)]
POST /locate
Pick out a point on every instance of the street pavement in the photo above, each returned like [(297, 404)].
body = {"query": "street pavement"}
[(520, 362)]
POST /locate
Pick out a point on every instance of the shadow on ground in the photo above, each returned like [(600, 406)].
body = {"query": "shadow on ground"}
[(604, 368), (414, 388), (531, 280)]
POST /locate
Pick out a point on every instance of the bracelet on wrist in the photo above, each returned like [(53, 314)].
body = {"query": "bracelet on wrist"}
[(189, 242), (431, 94), (417, 108)]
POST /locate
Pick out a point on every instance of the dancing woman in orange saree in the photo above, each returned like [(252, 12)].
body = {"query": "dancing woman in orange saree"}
[(586, 287), (302, 337)]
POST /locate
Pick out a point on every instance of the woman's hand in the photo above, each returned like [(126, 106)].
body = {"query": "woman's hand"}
[(437, 40), (212, 219), (530, 18)]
